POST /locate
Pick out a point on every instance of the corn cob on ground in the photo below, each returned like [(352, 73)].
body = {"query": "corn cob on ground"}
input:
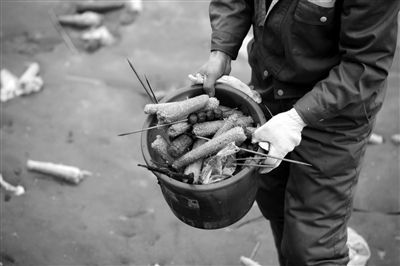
[(67, 173)]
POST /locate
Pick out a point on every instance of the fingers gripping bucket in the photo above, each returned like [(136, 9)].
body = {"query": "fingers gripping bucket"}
[(214, 205)]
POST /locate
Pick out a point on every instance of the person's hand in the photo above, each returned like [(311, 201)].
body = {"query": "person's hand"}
[(218, 64), (280, 135)]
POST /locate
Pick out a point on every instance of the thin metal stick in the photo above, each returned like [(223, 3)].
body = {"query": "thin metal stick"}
[(149, 128), (140, 80), (277, 158), (269, 111), (62, 32), (200, 137), (255, 249), (250, 158), (151, 89), (266, 155), (255, 165)]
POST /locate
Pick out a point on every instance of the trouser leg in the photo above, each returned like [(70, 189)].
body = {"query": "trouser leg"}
[(314, 203), (270, 200), (277, 232), (318, 199)]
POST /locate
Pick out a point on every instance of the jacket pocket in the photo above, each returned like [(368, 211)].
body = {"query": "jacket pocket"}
[(314, 14)]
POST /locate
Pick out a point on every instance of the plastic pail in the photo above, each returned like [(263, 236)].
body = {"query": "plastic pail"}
[(214, 205)]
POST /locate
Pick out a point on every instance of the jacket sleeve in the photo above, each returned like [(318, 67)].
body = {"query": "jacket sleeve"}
[(230, 22), (367, 43)]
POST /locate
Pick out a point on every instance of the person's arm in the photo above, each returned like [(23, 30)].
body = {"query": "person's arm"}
[(368, 42), (230, 22)]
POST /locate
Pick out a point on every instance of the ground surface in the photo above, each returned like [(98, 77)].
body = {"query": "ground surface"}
[(118, 216)]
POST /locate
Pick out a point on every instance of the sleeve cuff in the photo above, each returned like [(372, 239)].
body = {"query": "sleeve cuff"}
[(225, 42), (311, 113)]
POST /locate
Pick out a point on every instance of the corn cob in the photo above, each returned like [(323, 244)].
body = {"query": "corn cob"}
[(249, 131), (180, 145), (244, 121), (182, 109), (234, 121), (210, 147), (67, 173), (153, 108), (227, 111), (207, 128), (195, 167), (212, 104), (16, 190), (228, 124), (178, 129), (160, 145)]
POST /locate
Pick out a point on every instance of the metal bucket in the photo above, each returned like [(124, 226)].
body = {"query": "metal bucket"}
[(216, 205)]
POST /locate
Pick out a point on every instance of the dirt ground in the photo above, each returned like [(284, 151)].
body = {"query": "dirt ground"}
[(118, 216)]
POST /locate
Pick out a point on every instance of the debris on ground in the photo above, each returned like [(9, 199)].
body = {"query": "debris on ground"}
[(9, 85), (133, 9), (29, 82), (395, 139), (83, 20), (99, 6), (359, 251), (245, 261), (67, 173), (16, 190), (375, 139), (87, 16), (135, 6), (248, 261), (381, 254), (97, 37)]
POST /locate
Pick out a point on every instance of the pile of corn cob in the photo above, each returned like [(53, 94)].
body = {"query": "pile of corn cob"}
[(204, 141)]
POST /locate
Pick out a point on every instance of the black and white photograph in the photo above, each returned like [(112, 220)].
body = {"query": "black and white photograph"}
[(199, 133)]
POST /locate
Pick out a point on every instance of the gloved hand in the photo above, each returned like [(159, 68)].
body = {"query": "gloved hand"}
[(280, 135), (218, 64)]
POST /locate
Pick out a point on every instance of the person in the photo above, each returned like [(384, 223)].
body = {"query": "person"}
[(321, 67)]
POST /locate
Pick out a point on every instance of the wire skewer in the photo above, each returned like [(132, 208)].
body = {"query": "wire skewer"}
[(64, 35), (151, 89), (250, 158), (149, 128), (277, 158), (265, 155), (154, 100), (255, 165)]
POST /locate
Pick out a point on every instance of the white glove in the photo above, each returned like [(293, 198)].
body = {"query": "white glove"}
[(280, 135)]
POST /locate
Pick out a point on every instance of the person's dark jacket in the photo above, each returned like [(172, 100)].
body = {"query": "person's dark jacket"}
[(338, 57)]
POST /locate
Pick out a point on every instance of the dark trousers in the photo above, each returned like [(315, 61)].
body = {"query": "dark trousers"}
[(308, 207)]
